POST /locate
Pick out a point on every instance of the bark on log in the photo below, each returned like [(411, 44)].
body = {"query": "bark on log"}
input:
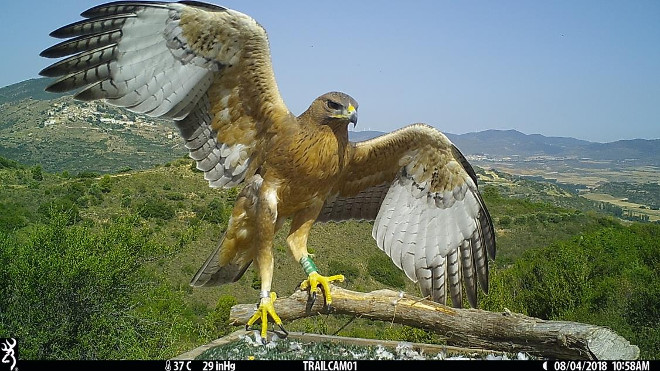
[(472, 328)]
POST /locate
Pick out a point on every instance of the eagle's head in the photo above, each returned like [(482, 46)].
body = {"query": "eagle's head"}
[(334, 109)]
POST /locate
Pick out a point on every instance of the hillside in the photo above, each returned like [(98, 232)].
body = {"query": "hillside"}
[(62, 134), (150, 230), (509, 143), (29, 89)]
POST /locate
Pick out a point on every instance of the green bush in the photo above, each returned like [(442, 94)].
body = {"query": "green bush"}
[(37, 173), (505, 221), (217, 211), (6, 163), (155, 208), (12, 217), (381, 268), (70, 292), (105, 184), (349, 271), (175, 196), (610, 277), (87, 174), (61, 208), (218, 319)]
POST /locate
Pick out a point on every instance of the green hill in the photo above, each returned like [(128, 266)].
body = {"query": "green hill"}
[(59, 133), (28, 89), (98, 266)]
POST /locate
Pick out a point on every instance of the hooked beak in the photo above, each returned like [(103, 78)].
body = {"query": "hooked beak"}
[(353, 115)]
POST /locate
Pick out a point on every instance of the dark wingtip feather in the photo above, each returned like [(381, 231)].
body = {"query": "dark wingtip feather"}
[(56, 69), (57, 87), (87, 94), (60, 33), (483, 280), (206, 6), (48, 72), (465, 163), (46, 53), (118, 7), (471, 292), (50, 89)]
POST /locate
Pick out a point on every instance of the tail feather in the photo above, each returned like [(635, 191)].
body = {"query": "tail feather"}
[(212, 274)]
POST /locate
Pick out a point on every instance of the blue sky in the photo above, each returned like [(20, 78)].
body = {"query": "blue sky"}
[(586, 69)]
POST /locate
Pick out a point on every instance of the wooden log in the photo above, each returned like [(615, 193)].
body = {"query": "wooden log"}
[(472, 328)]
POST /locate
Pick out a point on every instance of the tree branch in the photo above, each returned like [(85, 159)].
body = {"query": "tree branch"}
[(473, 328)]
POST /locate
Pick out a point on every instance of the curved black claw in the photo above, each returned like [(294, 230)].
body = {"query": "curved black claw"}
[(284, 333), (311, 299)]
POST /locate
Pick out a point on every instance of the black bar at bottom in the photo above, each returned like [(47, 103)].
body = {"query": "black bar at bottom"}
[(332, 365)]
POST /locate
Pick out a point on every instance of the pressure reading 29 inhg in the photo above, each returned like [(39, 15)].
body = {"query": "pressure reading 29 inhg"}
[(218, 366)]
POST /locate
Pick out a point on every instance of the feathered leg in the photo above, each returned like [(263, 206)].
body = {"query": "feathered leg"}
[(266, 219)]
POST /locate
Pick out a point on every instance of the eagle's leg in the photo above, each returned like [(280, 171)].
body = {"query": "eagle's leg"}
[(314, 279), (297, 240), (268, 223), (266, 308)]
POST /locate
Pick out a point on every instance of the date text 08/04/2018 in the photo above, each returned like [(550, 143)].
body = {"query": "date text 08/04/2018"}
[(599, 366)]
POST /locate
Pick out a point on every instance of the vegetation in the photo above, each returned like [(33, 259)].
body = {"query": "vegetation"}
[(87, 136), (381, 269), (70, 293), (645, 193), (97, 267), (610, 277)]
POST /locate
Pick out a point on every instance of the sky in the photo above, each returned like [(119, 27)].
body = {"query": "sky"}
[(586, 69)]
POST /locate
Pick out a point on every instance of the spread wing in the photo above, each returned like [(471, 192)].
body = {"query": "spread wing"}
[(204, 66), (429, 216)]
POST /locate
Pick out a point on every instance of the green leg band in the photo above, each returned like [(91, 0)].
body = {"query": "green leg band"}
[(308, 265)]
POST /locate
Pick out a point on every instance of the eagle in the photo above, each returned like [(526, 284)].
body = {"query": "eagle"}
[(208, 68)]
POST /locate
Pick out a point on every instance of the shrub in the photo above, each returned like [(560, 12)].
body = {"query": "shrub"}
[(61, 208), (381, 268), (105, 184), (87, 174), (12, 217), (218, 319), (216, 211), (6, 163), (339, 267), (70, 292), (155, 208), (37, 173), (505, 221), (609, 277)]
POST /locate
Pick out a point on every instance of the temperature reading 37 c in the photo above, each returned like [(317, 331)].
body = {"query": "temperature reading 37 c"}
[(178, 366)]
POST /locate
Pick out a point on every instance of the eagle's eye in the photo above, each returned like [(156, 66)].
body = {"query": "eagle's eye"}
[(333, 105)]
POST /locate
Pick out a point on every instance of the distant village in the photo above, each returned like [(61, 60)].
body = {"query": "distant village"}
[(73, 115)]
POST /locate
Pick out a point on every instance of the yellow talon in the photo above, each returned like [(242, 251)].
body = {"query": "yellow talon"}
[(266, 308), (313, 281)]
